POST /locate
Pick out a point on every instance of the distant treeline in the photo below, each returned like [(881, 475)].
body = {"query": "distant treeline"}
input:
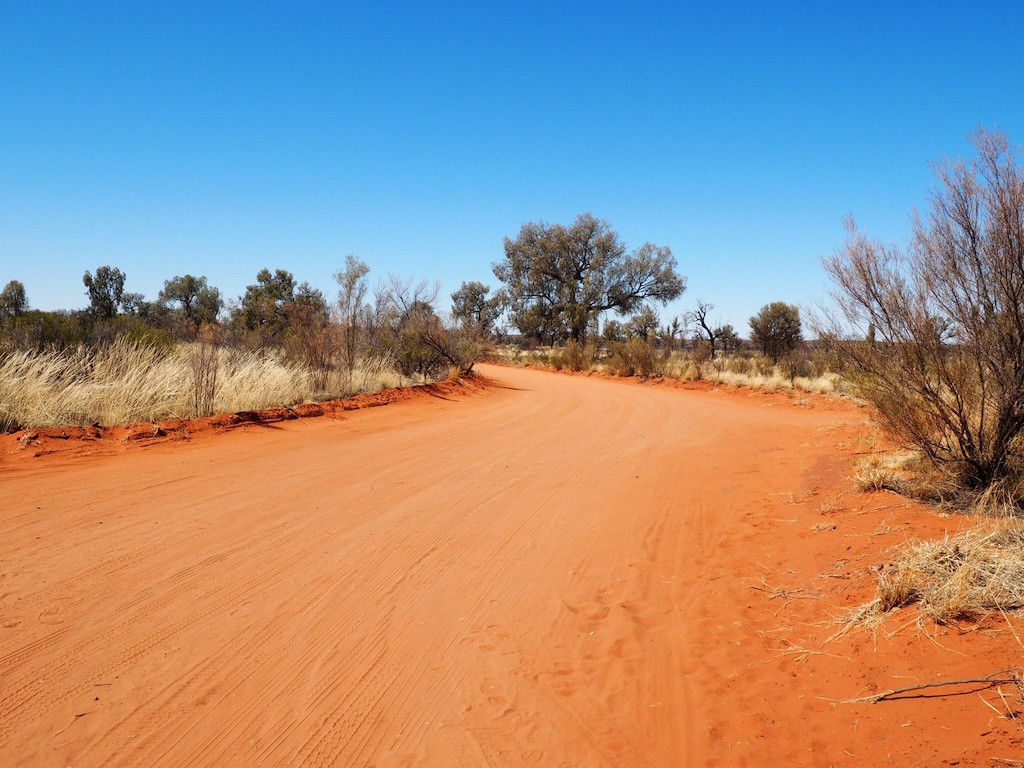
[(558, 284)]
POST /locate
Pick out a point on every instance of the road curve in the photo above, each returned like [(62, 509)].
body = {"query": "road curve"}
[(524, 577)]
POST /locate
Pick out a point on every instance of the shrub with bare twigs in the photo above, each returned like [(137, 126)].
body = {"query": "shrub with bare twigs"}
[(944, 364)]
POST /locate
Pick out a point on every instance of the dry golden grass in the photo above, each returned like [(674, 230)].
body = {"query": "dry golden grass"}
[(961, 577), (886, 471), (822, 385), (126, 383), (910, 474)]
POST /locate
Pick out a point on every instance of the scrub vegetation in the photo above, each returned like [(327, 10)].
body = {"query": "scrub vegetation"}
[(943, 366)]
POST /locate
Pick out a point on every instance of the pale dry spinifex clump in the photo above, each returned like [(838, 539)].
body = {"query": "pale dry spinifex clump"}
[(958, 578)]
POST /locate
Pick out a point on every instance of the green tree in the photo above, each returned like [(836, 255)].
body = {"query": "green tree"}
[(539, 322), (613, 331), (136, 304), (306, 295), (263, 307), (727, 339), (776, 329), (197, 301), (566, 276), (13, 300), (105, 290), (643, 324), (472, 304)]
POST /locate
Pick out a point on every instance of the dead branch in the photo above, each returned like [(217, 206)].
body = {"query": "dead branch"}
[(987, 682)]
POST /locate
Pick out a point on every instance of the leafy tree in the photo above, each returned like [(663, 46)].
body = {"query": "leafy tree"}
[(197, 301), (471, 304), (538, 321), (776, 329), (727, 339), (613, 331), (563, 277), (136, 304), (307, 296), (263, 306), (105, 290), (643, 324), (264, 301), (13, 300)]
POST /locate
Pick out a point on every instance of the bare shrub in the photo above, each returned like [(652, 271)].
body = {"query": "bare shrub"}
[(701, 356), (459, 347), (944, 364), (419, 340)]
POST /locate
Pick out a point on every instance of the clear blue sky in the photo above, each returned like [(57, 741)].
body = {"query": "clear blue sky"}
[(217, 139)]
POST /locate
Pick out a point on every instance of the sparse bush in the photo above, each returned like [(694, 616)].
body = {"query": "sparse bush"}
[(740, 365), (944, 360), (635, 357), (420, 342), (909, 474), (574, 357), (701, 357), (763, 366), (776, 330), (796, 363), (353, 288), (313, 341)]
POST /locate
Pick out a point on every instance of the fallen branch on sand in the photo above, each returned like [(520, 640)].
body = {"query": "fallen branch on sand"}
[(996, 678)]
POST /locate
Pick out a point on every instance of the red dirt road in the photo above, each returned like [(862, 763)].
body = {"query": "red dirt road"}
[(562, 571)]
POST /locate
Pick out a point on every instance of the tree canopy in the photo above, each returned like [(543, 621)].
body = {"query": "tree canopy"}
[(13, 299), (105, 290), (471, 303), (776, 329), (197, 301), (560, 278)]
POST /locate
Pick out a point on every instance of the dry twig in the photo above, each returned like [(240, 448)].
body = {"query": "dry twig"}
[(996, 678)]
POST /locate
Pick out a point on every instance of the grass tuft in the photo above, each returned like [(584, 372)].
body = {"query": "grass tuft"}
[(959, 578)]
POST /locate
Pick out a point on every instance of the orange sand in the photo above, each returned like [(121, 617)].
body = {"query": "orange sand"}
[(556, 571)]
